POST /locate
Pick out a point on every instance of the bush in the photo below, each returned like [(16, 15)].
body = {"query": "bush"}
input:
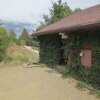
[(78, 72), (94, 76), (50, 49), (91, 76), (4, 42)]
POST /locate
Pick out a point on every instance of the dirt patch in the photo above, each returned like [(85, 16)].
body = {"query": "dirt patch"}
[(37, 83)]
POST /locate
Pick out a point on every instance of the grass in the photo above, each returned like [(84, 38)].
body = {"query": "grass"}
[(19, 54)]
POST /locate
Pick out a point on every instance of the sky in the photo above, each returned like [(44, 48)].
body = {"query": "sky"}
[(31, 11)]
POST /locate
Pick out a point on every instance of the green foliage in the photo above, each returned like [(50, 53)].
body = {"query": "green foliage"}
[(25, 38), (12, 33), (58, 11), (4, 42), (90, 76), (50, 49), (13, 38), (94, 76), (77, 10), (82, 85)]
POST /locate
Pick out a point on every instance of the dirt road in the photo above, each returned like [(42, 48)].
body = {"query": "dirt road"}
[(20, 83)]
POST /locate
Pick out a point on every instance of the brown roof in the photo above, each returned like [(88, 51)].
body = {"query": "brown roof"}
[(85, 18)]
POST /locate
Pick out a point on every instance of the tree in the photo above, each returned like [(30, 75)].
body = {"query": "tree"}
[(25, 38), (58, 11), (1, 22), (24, 34), (77, 10), (4, 43), (12, 33), (13, 38)]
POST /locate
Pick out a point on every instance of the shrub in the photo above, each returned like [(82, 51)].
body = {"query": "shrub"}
[(50, 49), (4, 42), (94, 76)]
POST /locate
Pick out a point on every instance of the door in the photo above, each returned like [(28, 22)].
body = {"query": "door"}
[(86, 58)]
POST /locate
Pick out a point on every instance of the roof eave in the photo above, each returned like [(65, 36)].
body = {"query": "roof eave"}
[(69, 29)]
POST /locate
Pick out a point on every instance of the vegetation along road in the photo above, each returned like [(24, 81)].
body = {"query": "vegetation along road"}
[(37, 83)]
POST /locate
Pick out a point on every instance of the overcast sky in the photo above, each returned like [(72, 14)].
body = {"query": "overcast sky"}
[(32, 10)]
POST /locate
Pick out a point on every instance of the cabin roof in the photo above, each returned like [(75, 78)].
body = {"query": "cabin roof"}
[(88, 18)]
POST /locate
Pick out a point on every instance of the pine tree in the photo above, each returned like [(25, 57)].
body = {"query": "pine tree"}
[(24, 34), (25, 38), (12, 33)]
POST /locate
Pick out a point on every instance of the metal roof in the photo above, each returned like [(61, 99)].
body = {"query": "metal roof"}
[(88, 18)]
